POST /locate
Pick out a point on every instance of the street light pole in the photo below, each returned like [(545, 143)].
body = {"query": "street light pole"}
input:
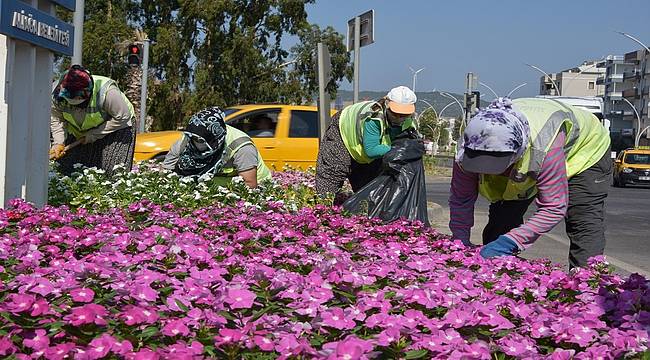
[(516, 88), (638, 136), (462, 109), (638, 122), (431, 106), (415, 75), (547, 75), (496, 96)]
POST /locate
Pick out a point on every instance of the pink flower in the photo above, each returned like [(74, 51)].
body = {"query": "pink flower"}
[(337, 319), (7, 347), (82, 295), (39, 342), (388, 336), (175, 327), (144, 293), (20, 303), (43, 287), (122, 347), (350, 349), (59, 352), (87, 314), (146, 354), (100, 347), (134, 315), (40, 307), (263, 343), (240, 298), (227, 336)]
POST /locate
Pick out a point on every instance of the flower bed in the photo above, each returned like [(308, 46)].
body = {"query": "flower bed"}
[(91, 189), (263, 282)]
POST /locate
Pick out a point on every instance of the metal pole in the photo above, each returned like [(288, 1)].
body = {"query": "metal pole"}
[(78, 22), (547, 75), (516, 88), (357, 56), (323, 96), (143, 89), (496, 96)]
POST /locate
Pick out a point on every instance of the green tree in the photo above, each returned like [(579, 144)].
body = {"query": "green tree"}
[(227, 52), (105, 27)]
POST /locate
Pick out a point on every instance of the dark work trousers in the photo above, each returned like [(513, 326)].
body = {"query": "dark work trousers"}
[(585, 218), (335, 164), (113, 149)]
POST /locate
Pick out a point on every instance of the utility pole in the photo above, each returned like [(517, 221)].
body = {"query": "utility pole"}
[(78, 22), (143, 89), (361, 31), (357, 56), (324, 70)]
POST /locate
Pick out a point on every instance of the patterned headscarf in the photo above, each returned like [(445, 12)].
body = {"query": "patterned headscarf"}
[(75, 83), (207, 126), (497, 128)]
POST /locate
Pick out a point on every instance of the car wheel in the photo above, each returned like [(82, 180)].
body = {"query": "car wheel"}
[(615, 182), (159, 158)]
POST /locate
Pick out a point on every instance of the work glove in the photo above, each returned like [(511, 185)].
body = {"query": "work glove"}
[(502, 246), (57, 151)]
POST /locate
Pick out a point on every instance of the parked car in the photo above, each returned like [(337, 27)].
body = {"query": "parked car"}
[(632, 167), (283, 134)]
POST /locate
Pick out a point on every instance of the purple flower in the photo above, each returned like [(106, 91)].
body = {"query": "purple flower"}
[(337, 319), (20, 303), (6, 346), (82, 295), (40, 340), (263, 343), (174, 328), (240, 298)]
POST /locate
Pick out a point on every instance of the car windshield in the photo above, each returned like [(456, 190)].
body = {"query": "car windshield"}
[(637, 159)]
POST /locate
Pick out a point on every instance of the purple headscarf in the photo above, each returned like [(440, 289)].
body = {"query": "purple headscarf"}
[(497, 128)]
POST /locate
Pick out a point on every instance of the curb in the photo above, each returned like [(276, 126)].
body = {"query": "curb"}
[(434, 210)]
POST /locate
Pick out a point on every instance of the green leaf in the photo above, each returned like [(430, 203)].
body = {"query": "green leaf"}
[(181, 305), (416, 354), (149, 332)]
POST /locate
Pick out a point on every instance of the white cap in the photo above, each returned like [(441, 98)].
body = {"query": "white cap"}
[(401, 100)]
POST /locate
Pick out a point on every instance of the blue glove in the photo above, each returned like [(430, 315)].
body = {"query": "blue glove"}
[(502, 246)]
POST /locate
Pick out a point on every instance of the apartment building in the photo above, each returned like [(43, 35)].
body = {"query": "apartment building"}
[(577, 81), (626, 81)]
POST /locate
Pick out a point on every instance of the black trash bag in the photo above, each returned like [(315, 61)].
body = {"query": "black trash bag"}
[(399, 192)]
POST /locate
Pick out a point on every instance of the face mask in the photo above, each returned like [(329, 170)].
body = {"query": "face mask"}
[(395, 119), (75, 101)]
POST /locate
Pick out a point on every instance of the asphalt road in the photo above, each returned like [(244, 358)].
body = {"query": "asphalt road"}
[(627, 220)]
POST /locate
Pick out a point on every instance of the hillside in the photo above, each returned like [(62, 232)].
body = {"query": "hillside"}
[(436, 99)]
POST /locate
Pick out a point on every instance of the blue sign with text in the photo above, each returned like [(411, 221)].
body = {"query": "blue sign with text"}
[(68, 4), (21, 21)]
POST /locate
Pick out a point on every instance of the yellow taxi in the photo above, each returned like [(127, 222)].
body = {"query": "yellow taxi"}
[(283, 134), (632, 167)]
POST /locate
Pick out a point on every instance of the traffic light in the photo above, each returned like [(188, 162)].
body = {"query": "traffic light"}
[(134, 57)]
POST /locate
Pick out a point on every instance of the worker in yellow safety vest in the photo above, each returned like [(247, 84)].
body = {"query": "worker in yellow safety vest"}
[(209, 146), (517, 151), (358, 136), (91, 122)]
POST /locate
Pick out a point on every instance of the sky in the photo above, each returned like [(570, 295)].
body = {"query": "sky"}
[(492, 38)]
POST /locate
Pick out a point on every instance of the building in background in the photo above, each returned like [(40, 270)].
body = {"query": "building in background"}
[(626, 77), (577, 81)]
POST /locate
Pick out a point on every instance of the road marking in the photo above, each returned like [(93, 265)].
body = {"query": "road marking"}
[(610, 259)]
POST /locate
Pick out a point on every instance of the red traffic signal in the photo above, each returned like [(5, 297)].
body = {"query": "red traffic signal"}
[(134, 57)]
